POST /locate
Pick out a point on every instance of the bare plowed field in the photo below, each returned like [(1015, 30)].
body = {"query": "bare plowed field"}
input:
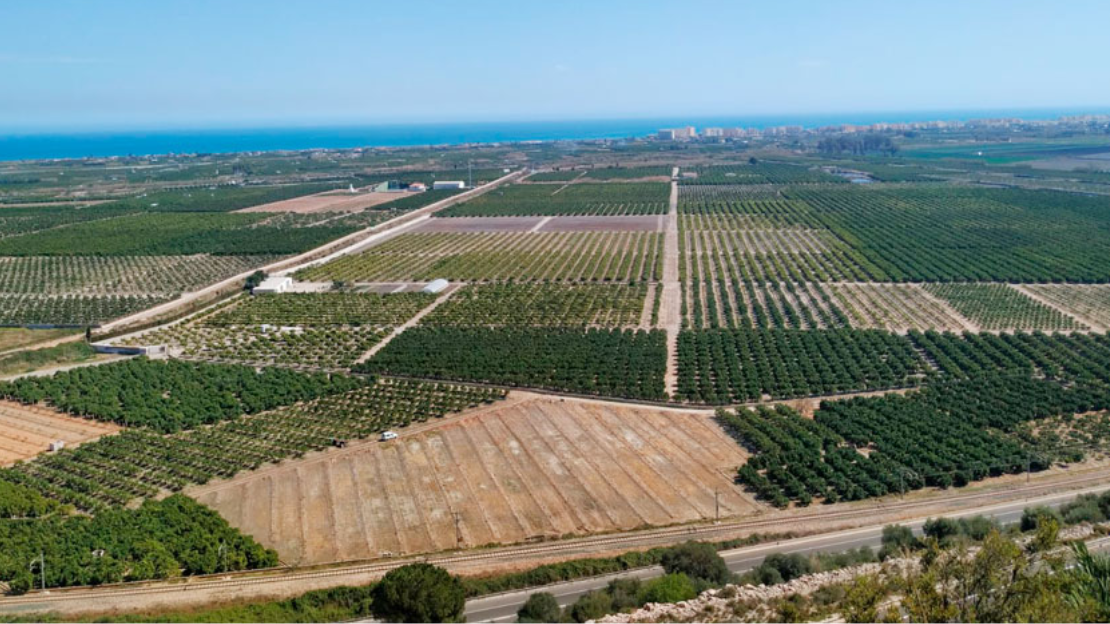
[(537, 468), (26, 431), (327, 202)]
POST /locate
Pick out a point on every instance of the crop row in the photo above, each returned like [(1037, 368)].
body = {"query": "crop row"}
[(574, 199), (621, 363), (542, 305), (1001, 307), (26, 309), (758, 173), (330, 308), (944, 234), (741, 365), (594, 256), (171, 395), (714, 303)]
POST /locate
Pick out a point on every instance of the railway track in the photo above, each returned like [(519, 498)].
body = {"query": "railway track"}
[(343, 573)]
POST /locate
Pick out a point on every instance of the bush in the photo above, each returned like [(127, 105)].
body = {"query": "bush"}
[(419, 592), (781, 568), (592, 606), (1085, 508), (698, 561), (1032, 517), (21, 584), (897, 539), (540, 607), (669, 588), (625, 593)]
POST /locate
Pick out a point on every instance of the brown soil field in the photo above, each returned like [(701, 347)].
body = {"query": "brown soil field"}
[(479, 224), (631, 223), (26, 431), (327, 202), (531, 469)]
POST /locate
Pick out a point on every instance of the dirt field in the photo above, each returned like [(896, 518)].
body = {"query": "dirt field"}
[(27, 431), (533, 468), (327, 202)]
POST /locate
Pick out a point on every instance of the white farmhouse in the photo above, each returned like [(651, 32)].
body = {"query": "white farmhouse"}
[(273, 285), (440, 185)]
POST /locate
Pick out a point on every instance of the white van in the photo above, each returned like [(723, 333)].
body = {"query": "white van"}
[(387, 435)]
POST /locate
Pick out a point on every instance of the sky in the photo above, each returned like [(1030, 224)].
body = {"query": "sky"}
[(81, 65)]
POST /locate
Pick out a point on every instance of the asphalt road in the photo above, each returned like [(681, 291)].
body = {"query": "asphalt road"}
[(503, 607)]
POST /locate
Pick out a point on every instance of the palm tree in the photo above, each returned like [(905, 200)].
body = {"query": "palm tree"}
[(1092, 586)]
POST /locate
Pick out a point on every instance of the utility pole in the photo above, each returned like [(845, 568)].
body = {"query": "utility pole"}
[(221, 552), (717, 506), (469, 173)]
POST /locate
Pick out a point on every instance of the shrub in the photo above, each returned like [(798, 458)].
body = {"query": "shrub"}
[(698, 561), (591, 606), (669, 588), (419, 592), (540, 607)]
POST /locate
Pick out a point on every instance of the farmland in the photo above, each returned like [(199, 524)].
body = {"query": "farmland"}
[(927, 333), (524, 200), (537, 467), (998, 306), (603, 257), (138, 463), (26, 431), (622, 363), (542, 305)]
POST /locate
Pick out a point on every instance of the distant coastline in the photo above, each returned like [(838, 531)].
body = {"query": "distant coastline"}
[(35, 146)]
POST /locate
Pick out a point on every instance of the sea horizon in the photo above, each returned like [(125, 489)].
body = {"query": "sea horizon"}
[(100, 143)]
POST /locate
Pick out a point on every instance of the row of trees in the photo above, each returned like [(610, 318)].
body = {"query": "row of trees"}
[(623, 363), (161, 539), (172, 395), (738, 365)]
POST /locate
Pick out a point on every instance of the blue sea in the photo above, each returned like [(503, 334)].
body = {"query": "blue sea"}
[(26, 146)]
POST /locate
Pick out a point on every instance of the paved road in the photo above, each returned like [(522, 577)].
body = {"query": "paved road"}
[(503, 607)]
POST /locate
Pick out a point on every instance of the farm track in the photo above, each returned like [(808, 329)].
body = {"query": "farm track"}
[(283, 582), (397, 331), (670, 312)]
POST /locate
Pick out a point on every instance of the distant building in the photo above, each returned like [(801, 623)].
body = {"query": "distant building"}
[(448, 184), (392, 186), (436, 286), (665, 135), (417, 187), (713, 132), (273, 285)]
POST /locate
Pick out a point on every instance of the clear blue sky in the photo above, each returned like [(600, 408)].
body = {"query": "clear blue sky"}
[(162, 63)]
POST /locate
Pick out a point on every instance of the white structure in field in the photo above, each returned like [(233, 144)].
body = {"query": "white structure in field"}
[(417, 187), (439, 185), (273, 285), (57, 445), (435, 286)]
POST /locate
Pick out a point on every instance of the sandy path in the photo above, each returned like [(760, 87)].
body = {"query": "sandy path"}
[(670, 308)]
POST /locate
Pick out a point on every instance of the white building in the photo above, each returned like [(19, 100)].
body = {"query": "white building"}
[(417, 187), (436, 286), (273, 285), (439, 185)]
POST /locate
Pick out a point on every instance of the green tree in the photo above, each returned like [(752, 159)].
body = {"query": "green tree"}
[(674, 587), (698, 561), (540, 607), (592, 606), (21, 584), (419, 592)]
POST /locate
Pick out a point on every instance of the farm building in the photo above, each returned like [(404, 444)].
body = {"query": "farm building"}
[(417, 187), (436, 286), (448, 184), (391, 186), (273, 285)]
